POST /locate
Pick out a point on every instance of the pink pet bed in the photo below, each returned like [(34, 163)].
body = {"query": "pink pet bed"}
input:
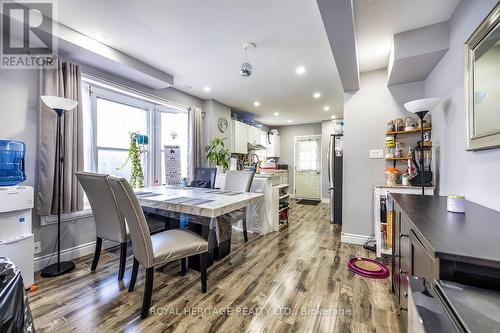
[(368, 268)]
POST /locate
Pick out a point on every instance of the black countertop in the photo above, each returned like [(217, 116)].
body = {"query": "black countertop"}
[(470, 237)]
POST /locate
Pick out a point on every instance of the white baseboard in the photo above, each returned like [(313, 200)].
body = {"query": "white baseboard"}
[(325, 200), (71, 253), (353, 238)]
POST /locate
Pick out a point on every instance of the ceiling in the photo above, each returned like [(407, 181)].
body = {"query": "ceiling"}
[(200, 44), (378, 20)]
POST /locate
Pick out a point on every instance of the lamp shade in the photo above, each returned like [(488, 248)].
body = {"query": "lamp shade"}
[(59, 103), (419, 105)]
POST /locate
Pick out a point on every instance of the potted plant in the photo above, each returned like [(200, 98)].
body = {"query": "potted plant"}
[(134, 156), (217, 154)]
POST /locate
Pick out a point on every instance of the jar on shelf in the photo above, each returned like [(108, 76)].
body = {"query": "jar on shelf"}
[(389, 152), (409, 124), (391, 176), (399, 124), (390, 126), (389, 141)]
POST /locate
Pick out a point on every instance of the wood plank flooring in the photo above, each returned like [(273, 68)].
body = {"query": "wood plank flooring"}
[(292, 281)]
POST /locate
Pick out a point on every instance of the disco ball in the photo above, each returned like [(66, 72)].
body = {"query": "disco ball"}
[(246, 69)]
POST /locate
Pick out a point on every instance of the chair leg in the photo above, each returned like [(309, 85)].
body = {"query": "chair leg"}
[(183, 266), (245, 234), (148, 290), (97, 253), (123, 260), (133, 277), (203, 271)]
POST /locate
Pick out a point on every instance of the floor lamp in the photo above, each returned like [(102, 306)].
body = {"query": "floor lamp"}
[(60, 106), (421, 107)]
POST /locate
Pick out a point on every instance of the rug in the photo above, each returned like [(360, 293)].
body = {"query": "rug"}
[(308, 202), (368, 268)]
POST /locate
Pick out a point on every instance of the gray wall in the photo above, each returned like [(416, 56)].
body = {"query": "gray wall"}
[(215, 110), (365, 114), (287, 134), (20, 98), (473, 174)]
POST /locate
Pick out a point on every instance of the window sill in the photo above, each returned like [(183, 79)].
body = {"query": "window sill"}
[(73, 217)]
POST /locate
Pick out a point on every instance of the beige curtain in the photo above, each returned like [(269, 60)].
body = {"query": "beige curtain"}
[(195, 154), (65, 81)]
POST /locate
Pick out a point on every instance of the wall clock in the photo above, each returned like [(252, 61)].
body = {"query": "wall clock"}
[(222, 124)]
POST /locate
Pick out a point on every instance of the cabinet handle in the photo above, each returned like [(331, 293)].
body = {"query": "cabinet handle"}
[(402, 309), (401, 272), (402, 235), (405, 294)]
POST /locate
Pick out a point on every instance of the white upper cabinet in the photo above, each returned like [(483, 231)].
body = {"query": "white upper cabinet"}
[(253, 135), (273, 145), (240, 138), (263, 138)]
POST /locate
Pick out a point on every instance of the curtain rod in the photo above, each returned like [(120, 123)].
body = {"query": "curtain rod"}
[(148, 96)]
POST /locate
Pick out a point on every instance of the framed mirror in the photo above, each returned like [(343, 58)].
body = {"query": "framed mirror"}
[(482, 84)]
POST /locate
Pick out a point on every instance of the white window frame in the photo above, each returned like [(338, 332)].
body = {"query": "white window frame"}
[(102, 88)]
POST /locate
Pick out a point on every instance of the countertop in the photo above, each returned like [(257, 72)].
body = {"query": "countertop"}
[(470, 237), (404, 186)]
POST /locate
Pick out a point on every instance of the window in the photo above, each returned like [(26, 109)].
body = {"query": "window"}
[(111, 114)]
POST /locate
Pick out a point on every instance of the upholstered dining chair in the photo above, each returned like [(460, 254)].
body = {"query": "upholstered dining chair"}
[(238, 181), (109, 222), (158, 249)]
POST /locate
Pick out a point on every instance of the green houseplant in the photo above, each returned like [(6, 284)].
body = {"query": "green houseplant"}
[(217, 153), (134, 156)]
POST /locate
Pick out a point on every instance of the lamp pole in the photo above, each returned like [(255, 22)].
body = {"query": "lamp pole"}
[(421, 115)]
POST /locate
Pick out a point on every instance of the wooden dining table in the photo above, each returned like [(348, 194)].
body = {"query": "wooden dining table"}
[(204, 206)]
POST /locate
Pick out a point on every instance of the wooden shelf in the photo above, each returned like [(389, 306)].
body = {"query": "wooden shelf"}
[(284, 196), (284, 208), (398, 158), (426, 129)]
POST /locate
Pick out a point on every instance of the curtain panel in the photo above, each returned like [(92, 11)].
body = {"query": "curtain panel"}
[(65, 81), (195, 152)]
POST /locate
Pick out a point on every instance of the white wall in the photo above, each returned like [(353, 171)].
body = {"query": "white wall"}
[(473, 174), (287, 134), (366, 113), (213, 111)]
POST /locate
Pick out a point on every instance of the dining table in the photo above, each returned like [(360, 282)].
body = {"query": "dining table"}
[(205, 206)]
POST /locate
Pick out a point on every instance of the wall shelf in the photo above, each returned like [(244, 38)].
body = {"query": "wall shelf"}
[(398, 158), (417, 130)]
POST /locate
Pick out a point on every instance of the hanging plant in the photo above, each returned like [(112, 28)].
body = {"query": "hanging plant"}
[(134, 157)]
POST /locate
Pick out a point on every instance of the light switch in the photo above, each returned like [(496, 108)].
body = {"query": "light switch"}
[(376, 153)]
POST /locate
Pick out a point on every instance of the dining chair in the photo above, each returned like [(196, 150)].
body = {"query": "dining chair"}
[(158, 249), (109, 222), (238, 181), (204, 177)]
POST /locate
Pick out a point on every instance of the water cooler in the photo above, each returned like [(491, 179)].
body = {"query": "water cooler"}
[(16, 204)]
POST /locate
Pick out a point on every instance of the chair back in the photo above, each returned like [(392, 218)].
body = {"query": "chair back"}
[(239, 181), (109, 222), (137, 224), (204, 176)]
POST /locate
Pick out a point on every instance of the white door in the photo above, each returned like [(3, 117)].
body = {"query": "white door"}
[(307, 166)]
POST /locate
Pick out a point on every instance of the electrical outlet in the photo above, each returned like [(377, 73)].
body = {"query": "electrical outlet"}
[(376, 153), (38, 248)]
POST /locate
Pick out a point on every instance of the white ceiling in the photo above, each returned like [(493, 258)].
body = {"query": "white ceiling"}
[(200, 44), (378, 20)]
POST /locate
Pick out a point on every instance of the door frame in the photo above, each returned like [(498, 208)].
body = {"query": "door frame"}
[(295, 168)]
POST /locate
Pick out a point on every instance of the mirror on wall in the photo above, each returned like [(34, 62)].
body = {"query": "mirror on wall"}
[(482, 84)]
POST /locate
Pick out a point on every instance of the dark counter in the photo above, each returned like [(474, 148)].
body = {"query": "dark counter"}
[(471, 237)]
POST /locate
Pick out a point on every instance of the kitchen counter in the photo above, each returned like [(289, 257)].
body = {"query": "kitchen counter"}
[(404, 186), (469, 237)]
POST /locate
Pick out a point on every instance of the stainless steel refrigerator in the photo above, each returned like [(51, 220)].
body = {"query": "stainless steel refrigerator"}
[(335, 156)]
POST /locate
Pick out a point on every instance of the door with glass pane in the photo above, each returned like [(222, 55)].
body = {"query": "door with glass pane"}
[(174, 130), (114, 123), (307, 166)]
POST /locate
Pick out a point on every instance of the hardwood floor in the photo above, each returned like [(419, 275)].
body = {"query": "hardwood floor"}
[(274, 283)]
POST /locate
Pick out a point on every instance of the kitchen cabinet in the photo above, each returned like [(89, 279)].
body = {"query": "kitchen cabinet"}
[(240, 138), (253, 136), (273, 145), (430, 242), (263, 138)]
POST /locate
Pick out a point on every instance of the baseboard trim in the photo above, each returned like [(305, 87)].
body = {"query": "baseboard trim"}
[(325, 200), (71, 253), (353, 238)]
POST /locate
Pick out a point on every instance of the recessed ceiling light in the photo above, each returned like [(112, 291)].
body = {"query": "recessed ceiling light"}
[(326, 108), (333, 117), (276, 113), (300, 70), (206, 89), (256, 103), (289, 121), (316, 95)]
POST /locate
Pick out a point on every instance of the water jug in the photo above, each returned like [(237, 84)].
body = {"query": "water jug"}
[(12, 154)]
